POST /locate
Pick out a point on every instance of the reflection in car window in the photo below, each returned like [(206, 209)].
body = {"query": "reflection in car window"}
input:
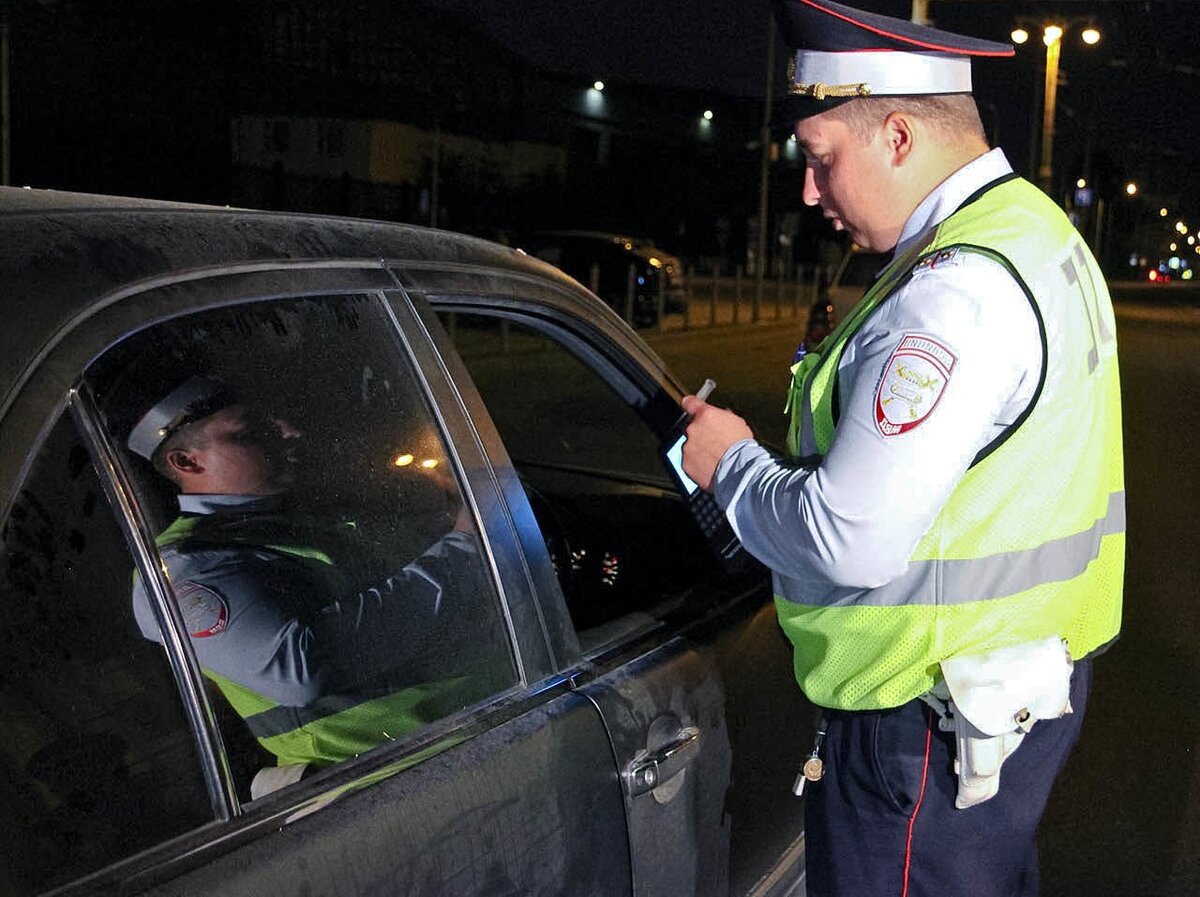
[(622, 541), (98, 759), (311, 525)]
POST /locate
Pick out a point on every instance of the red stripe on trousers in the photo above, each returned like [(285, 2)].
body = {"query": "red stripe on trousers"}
[(920, 797)]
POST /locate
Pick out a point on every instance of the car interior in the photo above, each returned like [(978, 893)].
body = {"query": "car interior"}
[(628, 552)]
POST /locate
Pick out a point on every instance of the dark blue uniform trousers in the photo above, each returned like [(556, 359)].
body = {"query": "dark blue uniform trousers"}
[(882, 821)]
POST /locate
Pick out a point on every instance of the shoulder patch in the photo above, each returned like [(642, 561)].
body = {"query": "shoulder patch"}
[(204, 611), (942, 258), (912, 383)]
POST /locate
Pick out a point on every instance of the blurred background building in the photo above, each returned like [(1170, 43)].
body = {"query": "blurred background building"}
[(505, 119)]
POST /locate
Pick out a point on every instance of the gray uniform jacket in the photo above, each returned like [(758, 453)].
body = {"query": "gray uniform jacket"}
[(292, 609)]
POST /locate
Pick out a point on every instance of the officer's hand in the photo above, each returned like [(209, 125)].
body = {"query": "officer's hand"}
[(710, 434)]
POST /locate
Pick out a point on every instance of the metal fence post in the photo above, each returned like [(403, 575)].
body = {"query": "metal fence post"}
[(660, 302), (737, 292), (629, 289), (687, 274), (799, 287), (712, 305)]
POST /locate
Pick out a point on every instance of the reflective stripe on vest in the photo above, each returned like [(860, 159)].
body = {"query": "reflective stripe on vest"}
[(335, 727), (1031, 541), (959, 581)]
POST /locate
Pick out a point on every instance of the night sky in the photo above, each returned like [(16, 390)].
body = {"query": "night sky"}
[(1130, 105), (103, 90)]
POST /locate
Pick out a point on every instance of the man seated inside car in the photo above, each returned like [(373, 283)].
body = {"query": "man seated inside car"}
[(322, 652)]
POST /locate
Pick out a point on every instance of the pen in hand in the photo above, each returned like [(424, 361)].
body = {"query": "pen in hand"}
[(702, 394)]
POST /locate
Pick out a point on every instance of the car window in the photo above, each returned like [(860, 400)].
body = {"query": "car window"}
[(624, 545), (309, 519), (98, 759)]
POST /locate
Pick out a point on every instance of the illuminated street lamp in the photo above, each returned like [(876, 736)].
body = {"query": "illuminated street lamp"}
[(1052, 36), (1131, 189)]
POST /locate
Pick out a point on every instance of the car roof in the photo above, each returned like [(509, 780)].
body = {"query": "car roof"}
[(65, 252)]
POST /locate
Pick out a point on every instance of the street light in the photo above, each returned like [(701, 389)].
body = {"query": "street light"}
[(1131, 189), (1052, 35)]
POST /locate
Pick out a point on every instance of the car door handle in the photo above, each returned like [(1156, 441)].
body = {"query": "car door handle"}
[(647, 772)]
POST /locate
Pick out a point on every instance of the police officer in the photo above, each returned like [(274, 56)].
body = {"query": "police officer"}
[(321, 653), (947, 538)]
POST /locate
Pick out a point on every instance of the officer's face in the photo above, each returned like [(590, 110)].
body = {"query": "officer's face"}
[(245, 451), (850, 180)]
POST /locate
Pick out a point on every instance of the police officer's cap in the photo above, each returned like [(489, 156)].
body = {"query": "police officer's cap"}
[(194, 399), (843, 53)]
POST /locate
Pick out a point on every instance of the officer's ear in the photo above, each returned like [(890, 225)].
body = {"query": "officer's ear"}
[(182, 463), (899, 137)]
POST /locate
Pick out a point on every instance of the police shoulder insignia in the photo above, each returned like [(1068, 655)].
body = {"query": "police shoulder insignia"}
[(204, 611), (912, 383), (941, 257)]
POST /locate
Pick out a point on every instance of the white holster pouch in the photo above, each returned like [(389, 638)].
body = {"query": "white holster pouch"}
[(990, 701)]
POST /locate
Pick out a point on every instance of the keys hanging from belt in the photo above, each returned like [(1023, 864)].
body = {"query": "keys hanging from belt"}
[(814, 766)]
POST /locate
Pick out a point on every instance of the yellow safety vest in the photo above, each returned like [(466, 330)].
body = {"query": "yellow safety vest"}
[(341, 726), (1031, 542)]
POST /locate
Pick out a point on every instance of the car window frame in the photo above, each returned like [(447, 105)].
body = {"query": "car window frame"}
[(54, 386), (598, 338)]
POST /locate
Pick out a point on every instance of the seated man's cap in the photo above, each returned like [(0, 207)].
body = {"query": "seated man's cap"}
[(843, 53), (194, 399)]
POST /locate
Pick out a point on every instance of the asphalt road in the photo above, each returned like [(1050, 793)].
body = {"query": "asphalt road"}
[(1125, 816)]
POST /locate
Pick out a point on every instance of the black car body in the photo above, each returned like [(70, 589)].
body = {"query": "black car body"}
[(641, 730), (617, 267)]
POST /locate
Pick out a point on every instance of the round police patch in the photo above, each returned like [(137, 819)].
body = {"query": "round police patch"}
[(204, 611), (912, 384)]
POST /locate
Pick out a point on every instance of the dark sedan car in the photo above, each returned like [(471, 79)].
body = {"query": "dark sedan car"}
[(632, 275), (590, 700)]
